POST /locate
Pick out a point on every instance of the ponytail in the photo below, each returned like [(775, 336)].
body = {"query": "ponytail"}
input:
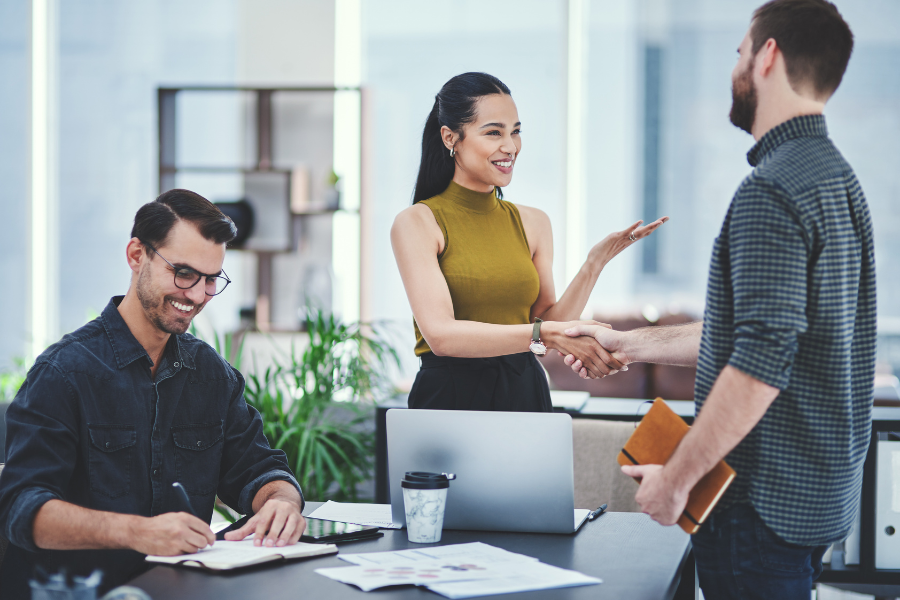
[(437, 166), (454, 106)]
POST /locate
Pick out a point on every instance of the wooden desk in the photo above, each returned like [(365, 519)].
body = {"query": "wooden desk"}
[(636, 558)]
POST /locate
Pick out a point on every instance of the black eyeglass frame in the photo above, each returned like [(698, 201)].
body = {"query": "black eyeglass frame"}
[(200, 276)]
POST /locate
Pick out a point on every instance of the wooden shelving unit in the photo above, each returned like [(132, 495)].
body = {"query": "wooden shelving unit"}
[(265, 163)]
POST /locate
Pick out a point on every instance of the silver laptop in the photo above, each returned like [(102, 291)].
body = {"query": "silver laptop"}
[(514, 470)]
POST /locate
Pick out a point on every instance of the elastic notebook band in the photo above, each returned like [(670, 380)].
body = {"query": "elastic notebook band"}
[(629, 457), (638, 412)]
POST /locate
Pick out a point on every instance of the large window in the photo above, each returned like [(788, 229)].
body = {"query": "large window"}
[(14, 15), (410, 50), (654, 131)]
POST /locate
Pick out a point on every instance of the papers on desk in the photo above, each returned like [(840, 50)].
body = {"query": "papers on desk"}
[(515, 577), (475, 551), (226, 555), (374, 515), (567, 400), (455, 571)]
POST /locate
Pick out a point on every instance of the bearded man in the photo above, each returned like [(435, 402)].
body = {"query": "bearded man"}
[(116, 412), (785, 355)]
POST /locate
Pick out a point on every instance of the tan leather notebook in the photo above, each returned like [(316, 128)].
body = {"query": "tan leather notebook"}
[(653, 442)]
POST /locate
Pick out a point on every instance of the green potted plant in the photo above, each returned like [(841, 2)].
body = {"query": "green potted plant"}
[(316, 403)]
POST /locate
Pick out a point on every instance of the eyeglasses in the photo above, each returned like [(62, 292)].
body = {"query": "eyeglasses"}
[(186, 277)]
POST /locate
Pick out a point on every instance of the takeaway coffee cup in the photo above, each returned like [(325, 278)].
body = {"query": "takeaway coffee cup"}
[(424, 499)]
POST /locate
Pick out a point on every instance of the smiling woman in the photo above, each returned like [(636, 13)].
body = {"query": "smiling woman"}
[(478, 269)]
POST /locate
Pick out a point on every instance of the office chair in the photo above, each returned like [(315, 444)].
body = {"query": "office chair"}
[(598, 478)]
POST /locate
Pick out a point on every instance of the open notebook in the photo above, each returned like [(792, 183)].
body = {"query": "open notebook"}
[(225, 555)]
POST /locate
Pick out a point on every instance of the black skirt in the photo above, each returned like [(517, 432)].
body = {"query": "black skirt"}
[(515, 382)]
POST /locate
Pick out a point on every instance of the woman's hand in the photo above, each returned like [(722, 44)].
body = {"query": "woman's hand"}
[(595, 360), (607, 249), (609, 339)]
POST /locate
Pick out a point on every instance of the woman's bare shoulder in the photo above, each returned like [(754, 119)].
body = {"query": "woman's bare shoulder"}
[(417, 215), (533, 216), (416, 224)]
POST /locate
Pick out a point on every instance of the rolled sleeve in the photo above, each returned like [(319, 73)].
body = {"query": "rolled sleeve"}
[(249, 492), (769, 255), (19, 526), (248, 462), (41, 452)]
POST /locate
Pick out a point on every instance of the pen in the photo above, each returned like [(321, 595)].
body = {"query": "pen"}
[(596, 513), (181, 494)]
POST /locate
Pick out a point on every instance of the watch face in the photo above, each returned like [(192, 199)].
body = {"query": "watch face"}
[(538, 348)]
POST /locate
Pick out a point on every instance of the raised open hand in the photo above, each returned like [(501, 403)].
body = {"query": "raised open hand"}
[(610, 246)]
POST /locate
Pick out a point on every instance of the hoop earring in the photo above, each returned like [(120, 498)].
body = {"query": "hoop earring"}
[(452, 152)]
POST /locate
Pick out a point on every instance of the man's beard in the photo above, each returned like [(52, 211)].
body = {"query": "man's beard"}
[(155, 307), (743, 101)]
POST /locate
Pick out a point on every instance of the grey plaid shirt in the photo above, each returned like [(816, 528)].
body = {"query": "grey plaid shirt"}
[(791, 302)]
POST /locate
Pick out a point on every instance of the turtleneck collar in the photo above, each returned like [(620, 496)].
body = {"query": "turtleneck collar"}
[(479, 202)]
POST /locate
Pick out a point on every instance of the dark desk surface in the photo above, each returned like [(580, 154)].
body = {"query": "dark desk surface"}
[(636, 558)]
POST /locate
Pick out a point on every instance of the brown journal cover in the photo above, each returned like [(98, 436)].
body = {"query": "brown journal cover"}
[(653, 442)]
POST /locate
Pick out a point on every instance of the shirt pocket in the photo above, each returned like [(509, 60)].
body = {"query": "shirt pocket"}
[(110, 456), (198, 456)]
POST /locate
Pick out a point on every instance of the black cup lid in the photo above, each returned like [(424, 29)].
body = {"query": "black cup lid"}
[(420, 480)]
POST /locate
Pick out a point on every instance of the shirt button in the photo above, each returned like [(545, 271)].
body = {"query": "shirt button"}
[(156, 471), (107, 444), (176, 364), (198, 442)]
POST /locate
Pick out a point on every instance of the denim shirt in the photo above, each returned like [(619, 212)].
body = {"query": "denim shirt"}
[(92, 427)]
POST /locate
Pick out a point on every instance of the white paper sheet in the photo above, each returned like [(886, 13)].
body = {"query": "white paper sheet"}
[(515, 577), (472, 552), (455, 571), (424, 573), (374, 515)]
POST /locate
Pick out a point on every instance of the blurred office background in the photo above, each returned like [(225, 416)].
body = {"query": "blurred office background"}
[(624, 108)]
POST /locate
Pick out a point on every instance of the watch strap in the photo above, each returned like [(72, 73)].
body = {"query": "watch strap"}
[(536, 331)]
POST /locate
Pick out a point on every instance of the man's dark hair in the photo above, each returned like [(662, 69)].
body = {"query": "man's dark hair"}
[(813, 37), (155, 220)]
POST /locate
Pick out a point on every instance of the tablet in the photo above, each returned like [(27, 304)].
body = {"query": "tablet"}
[(318, 530)]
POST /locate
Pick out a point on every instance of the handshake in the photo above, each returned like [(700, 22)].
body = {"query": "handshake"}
[(592, 349)]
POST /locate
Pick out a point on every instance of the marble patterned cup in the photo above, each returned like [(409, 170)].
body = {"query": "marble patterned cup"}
[(424, 500)]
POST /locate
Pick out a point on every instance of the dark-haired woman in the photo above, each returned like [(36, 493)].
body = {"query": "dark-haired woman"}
[(478, 269)]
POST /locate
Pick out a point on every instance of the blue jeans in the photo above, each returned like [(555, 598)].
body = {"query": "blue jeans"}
[(739, 557)]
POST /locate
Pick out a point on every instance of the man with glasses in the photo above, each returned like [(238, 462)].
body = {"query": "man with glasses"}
[(116, 412)]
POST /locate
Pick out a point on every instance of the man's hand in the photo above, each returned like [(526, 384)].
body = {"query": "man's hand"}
[(279, 523), (608, 338), (170, 534), (596, 361), (663, 500)]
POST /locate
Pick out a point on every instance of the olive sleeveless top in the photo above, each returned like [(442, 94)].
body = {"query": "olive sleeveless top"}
[(486, 260)]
